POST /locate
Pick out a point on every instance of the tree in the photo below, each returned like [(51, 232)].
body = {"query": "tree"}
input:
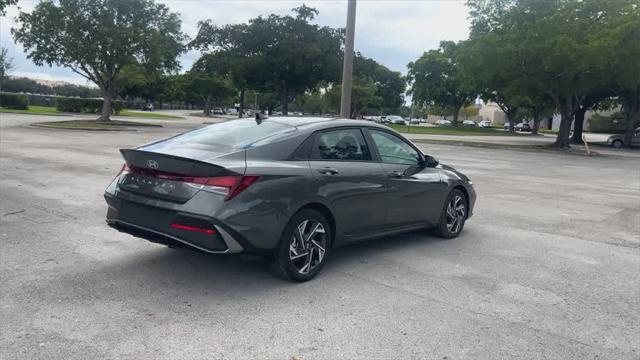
[(437, 78), (6, 64), (617, 42), (286, 55), (390, 85), (209, 89), (4, 4), (364, 98), (98, 38)]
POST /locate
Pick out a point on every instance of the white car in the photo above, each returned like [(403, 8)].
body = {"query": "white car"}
[(443, 122), (469, 123), (396, 119), (485, 123)]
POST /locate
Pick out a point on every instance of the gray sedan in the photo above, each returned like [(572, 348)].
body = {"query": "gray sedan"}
[(292, 189)]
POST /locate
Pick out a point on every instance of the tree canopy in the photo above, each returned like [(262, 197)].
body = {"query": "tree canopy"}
[(97, 39), (437, 78)]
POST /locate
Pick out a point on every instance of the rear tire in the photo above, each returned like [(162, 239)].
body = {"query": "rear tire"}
[(617, 144), (304, 246), (454, 215)]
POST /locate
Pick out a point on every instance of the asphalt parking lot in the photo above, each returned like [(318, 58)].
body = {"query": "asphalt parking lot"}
[(548, 268)]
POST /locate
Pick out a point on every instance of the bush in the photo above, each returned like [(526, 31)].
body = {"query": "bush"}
[(14, 101), (86, 105), (615, 123)]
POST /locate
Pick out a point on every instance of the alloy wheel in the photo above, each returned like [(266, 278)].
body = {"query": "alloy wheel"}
[(456, 213), (307, 246)]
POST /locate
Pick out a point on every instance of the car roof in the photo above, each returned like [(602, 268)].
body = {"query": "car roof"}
[(318, 123)]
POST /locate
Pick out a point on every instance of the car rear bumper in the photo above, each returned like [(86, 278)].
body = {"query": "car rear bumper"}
[(155, 224)]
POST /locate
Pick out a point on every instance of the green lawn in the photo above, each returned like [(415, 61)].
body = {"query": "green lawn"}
[(35, 110), (92, 124), (147, 115), (50, 110), (449, 130)]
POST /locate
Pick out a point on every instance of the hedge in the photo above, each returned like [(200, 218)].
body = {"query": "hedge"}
[(14, 101), (86, 105)]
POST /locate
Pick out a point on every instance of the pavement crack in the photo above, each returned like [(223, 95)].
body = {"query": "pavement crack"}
[(14, 212)]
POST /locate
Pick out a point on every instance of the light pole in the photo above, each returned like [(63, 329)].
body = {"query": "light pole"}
[(347, 67)]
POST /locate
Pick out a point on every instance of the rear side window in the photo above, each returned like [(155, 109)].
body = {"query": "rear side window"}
[(234, 134), (343, 144)]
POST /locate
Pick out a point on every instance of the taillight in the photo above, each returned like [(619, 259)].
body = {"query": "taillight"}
[(230, 186), (125, 170)]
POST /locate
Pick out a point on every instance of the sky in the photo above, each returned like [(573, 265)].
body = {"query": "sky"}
[(393, 32)]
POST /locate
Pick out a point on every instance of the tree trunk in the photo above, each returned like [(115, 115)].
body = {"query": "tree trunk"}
[(241, 107), (105, 114), (562, 141), (456, 110), (578, 125), (631, 108), (285, 101), (207, 107), (536, 121)]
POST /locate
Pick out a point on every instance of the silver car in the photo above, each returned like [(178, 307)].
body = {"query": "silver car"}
[(617, 141)]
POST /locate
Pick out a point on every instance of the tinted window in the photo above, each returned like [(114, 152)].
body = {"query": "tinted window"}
[(394, 150), (230, 134), (347, 145)]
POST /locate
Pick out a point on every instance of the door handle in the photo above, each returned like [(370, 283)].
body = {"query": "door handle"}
[(396, 174), (328, 171)]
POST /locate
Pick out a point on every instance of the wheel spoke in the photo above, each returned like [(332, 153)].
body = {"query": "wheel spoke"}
[(320, 250), (300, 234), (307, 266)]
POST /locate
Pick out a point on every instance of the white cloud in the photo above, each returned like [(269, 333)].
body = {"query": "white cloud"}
[(393, 32)]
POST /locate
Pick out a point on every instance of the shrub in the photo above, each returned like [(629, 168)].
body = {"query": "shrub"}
[(14, 101), (86, 105), (614, 123)]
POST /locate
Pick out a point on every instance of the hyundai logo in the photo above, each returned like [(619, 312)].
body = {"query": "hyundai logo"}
[(152, 164)]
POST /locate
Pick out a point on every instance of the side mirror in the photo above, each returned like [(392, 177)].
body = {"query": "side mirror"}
[(430, 161)]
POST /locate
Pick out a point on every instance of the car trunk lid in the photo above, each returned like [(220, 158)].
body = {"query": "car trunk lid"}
[(175, 178)]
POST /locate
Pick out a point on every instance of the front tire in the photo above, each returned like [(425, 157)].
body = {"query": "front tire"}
[(617, 144), (454, 215), (304, 246)]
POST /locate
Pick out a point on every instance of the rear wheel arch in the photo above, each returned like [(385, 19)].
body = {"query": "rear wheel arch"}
[(324, 210)]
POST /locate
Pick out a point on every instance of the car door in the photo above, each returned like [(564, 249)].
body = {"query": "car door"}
[(415, 191), (354, 183)]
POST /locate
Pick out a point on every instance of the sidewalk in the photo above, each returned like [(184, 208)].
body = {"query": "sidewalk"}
[(522, 142)]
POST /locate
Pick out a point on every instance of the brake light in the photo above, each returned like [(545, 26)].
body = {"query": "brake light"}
[(193, 228), (124, 170), (231, 186)]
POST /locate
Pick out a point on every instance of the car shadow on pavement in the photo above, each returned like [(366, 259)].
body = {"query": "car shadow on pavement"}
[(153, 272)]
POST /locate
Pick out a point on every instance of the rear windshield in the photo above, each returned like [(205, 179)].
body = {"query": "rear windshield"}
[(236, 134)]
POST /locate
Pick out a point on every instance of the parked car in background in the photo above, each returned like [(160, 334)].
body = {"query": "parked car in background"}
[(232, 111), (469, 123), (218, 111), (289, 188), (617, 141), (485, 123), (148, 107), (443, 122), (414, 121), (523, 127), (396, 119), (506, 126)]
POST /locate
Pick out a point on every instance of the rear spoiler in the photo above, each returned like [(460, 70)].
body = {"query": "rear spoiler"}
[(171, 163)]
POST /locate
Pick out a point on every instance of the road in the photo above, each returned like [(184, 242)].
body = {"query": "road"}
[(548, 268)]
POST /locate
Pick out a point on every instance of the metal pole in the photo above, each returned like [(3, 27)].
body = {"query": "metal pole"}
[(347, 68)]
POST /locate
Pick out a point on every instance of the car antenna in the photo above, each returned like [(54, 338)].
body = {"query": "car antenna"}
[(260, 117)]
